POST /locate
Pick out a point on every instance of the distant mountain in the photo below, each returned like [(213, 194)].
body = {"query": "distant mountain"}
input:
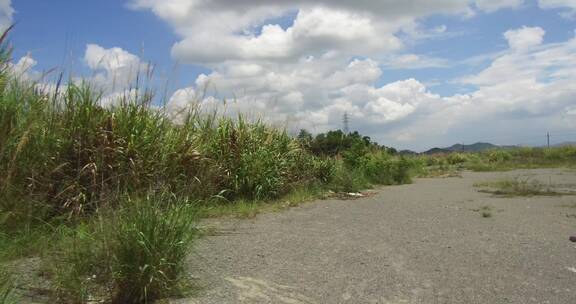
[(436, 151), (477, 147), (407, 152)]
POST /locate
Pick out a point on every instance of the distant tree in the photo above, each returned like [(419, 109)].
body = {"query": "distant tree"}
[(305, 138), (336, 142)]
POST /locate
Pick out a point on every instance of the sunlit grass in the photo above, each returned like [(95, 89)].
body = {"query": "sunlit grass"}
[(517, 187)]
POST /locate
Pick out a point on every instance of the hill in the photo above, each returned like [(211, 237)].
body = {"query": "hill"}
[(476, 147)]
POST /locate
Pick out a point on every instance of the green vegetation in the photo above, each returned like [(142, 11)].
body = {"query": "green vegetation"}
[(109, 195), (571, 205), (6, 288), (135, 252), (517, 187), (498, 160), (359, 163)]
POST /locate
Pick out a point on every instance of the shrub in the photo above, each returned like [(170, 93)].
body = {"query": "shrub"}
[(381, 168), (456, 158), (324, 169), (499, 156), (348, 179)]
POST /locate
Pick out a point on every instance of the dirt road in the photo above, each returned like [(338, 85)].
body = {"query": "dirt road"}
[(420, 243)]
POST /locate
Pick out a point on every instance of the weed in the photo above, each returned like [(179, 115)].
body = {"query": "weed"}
[(149, 242), (134, 255), (516, 187), (485, 211), (571, 205), (6, 289)]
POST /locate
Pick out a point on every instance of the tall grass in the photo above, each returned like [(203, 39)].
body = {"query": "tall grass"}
[(6, 288), (72, 156), (149, 243), (133, 254)]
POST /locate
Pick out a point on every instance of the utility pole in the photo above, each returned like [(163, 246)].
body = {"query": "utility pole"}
[(548, 139), (346, 122)]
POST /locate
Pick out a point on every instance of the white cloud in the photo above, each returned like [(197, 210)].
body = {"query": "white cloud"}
[(414, 61), (493, 5), (23, 68), (525, 37), (6, 13), (352, 28), (519, 90), (328, 62), (316, 31), (570, 5), (114, 69)]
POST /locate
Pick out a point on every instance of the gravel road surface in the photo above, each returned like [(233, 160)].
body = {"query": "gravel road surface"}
[(426, 242)]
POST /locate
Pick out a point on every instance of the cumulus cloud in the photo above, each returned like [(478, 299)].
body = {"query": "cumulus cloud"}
[(244, 30), (569, 5), (114, 69), (517, 88), (525, 37), (23, 68), (329, 59)]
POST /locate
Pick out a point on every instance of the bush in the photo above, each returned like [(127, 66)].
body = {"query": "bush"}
[(499, 156), (383, 169), (348, 179), (324, 170), (456, 158)]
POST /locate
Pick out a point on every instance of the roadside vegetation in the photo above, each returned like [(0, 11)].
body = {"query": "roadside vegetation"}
[(449, 164), (517, 187), (108, 196)]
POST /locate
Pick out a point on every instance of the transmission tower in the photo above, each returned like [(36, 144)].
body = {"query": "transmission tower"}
[(346, 123)]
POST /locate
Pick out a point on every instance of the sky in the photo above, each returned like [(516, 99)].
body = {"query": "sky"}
[(412, 74)]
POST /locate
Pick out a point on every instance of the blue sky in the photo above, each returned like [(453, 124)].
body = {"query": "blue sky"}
[(406, 73)]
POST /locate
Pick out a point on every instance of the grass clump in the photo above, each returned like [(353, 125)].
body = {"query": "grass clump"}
[(516, 187), (6, 288), (135, 255), (148, 247)]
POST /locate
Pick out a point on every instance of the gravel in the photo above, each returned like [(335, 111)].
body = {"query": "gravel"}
[(419, 243)]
